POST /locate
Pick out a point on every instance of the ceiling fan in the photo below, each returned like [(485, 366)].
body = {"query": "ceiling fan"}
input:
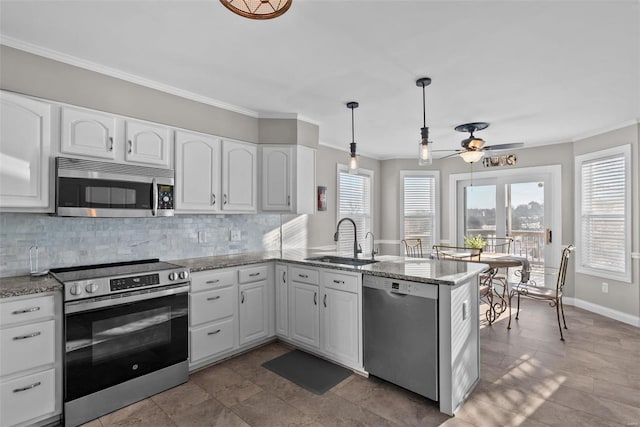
[(473, 147)]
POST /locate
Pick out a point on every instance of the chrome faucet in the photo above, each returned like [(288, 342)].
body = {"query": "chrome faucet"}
[(356, 247), (374, 251)]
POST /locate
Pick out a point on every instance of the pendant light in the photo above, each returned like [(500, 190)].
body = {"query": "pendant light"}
[(257, 9), (424, 148), (353, 160)]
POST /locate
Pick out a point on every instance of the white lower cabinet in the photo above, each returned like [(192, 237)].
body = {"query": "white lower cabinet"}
[(212, 339), (30, 360), (325, 313), (282, 307), (253, 312)]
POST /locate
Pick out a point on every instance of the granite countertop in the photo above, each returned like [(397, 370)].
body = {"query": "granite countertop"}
[(26, 285), (402, 268)]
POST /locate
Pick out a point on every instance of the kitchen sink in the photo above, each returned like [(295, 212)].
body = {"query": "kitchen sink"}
[(341, 260)]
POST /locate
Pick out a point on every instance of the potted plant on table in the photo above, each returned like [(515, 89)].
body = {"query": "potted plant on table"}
[(476, 242)]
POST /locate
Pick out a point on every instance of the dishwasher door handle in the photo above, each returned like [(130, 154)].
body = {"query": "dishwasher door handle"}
[(396, 294)]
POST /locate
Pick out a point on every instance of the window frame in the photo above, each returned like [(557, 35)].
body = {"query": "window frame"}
[(625, 151), (436, 221), (365, 243)]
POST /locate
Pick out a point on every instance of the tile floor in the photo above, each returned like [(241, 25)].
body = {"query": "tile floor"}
[(528, 378)]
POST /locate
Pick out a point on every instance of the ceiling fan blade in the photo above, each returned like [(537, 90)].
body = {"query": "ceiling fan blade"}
[(503, 146), (450, 155), (436, 151)]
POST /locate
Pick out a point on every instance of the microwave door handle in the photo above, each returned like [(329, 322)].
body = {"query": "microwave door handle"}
[(154, 210)]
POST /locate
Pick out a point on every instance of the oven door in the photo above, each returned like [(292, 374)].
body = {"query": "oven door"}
[(111, 341)]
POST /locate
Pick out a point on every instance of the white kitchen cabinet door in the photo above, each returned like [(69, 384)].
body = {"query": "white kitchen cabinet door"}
[(304, 313), (25, 146), (87, 133), (239, 176), (340, 325), (254, 322), (147, 143), (282, 308), (276, 178), (27, 398), (197, 172)]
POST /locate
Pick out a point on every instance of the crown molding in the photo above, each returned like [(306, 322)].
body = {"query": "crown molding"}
[(119, 74), (606, 129)]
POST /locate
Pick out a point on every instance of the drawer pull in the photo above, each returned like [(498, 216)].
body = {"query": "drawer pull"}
[(214, 332), (213, 298), (339, 282), (29, 387), (254, 274), (211, 282), (304, 276), (26, 310), (24, 337)]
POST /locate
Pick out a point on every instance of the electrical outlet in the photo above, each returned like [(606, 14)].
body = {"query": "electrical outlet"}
[(605, 288), (236, 235)]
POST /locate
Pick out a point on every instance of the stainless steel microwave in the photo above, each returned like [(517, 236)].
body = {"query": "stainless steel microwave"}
[(88, 188)]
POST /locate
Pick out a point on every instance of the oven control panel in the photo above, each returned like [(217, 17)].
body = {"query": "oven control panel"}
[(133, 282)]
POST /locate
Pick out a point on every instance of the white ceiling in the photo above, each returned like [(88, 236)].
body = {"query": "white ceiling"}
[(540, 72)]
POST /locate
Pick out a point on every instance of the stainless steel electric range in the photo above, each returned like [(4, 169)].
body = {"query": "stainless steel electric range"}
[(126, 334)]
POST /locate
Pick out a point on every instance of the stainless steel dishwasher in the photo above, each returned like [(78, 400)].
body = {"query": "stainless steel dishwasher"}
[(401, 333)]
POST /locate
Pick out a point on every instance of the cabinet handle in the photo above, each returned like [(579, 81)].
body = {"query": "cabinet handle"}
[(130, 147), (213, 199), (29, 387), (214, 332), (24, 337), (339, 282), (325, 301), (254, 274), (26, 310), (284, 276), (288, 200), (213, 298), (304, 276), (315, 298), (225, 198), (210, 282), (241, 297), (110, 143)]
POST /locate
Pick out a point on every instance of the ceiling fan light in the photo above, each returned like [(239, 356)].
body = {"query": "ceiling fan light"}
[(475, 143), (472, 156)]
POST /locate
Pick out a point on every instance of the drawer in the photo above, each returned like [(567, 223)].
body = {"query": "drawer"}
[(343, 282), (27, 397), (253, 274), (304, 275), (212, 279), (212, 339), (212, 305), (27, 346), (26, 310)]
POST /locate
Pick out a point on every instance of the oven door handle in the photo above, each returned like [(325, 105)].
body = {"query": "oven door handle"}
[(118, 299)]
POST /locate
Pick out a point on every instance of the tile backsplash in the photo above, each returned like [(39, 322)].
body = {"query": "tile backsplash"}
[(64, 242)]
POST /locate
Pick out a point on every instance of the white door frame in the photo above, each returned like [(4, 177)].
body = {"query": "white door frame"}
[(553, 171)]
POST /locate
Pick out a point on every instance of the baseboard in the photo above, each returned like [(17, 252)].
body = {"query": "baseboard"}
[(603, 311)]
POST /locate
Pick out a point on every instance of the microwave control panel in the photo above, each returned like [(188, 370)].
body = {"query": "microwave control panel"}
[(165, 196)]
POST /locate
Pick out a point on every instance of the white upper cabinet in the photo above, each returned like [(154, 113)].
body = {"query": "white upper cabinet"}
[(197, 172), (25, 145), (147, 143), (288, 179), (239, 177), (88, 133)]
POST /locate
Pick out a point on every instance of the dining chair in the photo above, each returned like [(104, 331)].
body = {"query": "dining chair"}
[(412, 247), (553, 296)]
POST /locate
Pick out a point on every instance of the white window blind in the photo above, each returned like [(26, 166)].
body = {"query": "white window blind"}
[(354, 201), (603, 244), (419, 207)]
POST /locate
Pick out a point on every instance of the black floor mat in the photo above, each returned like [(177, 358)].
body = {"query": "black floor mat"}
[(307, 371)]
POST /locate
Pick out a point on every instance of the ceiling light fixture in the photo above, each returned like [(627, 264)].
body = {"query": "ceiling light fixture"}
[(353, 160), (424, 148), (257, 9), (471, 156)]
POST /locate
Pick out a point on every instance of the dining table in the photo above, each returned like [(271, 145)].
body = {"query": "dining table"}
[(498, 301)]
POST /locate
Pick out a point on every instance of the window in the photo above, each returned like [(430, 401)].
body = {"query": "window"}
[(603, 213), (420, 207), (355, 202)]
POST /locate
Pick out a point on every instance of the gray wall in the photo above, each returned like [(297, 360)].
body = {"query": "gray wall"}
[(322, 225)]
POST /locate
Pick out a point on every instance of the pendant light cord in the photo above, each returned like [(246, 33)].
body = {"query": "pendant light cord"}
[(424, 111), (353, 138)]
